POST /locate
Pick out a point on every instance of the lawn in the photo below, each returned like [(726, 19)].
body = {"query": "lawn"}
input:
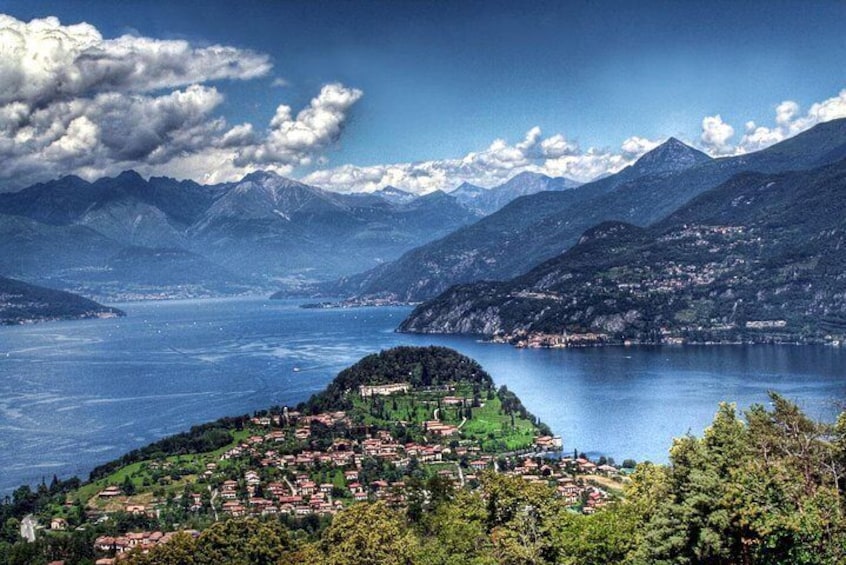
[(492, 427), (489, 425)]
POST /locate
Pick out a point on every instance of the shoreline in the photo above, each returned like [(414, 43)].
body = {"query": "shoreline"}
[(556, 341)]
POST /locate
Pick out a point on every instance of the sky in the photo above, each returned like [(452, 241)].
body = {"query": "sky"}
[(421, 95)]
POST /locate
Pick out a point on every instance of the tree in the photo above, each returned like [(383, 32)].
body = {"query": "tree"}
[(128, 487), (11, 530), (762, 492), (368, 534), (522, 519), (456, 533)]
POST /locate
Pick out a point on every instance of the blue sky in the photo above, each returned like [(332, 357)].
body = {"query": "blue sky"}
[(439, 82)]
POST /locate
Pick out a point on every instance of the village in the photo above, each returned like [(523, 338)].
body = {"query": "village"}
[(297, 466)]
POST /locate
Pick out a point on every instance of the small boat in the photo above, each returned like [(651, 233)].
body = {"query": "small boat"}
[(296, 369)]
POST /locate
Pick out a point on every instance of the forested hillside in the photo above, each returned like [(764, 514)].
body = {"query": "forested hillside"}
[(759, 258), (23, 303)]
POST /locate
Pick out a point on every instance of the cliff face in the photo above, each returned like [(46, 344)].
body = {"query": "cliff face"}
[(457, 314)]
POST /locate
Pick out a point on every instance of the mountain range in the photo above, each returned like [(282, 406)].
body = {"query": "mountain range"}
[(127, 237), (762, 257), (538, 227), (487, 201)]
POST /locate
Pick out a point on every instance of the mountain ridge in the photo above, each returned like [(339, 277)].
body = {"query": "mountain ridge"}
[(534, 228), (260, 230), (758, 258)]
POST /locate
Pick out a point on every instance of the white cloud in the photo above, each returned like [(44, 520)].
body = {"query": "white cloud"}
[(716, 136), (789, 121), (294, 140), (636, 146), (553, 156), (74, 102), (43, 60)]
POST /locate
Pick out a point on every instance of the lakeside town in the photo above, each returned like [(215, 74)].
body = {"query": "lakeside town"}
[(302, 467)]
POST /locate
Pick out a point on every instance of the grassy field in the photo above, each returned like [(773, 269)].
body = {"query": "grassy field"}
[(493, 428)]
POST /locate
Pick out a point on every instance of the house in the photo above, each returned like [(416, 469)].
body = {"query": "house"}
[(585, 466), (234, 508), (58, 524), (608, 470), (479, 464), (383, 390), (110, 492), (452, 400), (530, 465), (229, 490), (548, 443)]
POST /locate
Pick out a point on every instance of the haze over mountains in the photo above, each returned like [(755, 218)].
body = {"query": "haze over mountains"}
[(535, 228), (127, 237), (487, 201)]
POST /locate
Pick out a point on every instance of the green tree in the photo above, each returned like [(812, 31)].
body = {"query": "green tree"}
[(368, 534)]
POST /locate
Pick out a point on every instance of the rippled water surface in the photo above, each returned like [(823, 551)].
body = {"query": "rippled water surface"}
[(77, 394)]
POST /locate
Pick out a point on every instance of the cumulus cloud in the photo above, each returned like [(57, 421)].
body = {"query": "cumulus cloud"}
[(789, 121), (716, 136), (636, 146), (558, 156), (314, 128), (43, 60), (72, 101), (553, 156)]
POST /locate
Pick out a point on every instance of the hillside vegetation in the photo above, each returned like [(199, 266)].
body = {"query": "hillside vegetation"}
[(23, 303)]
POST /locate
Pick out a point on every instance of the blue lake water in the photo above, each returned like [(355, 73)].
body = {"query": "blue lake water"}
[(77, 394)]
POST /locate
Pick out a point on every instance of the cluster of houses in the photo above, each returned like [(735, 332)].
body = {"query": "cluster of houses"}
[(539, 340), (300, 495), (257, 488)]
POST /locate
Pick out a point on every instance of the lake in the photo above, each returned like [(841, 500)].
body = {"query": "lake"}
[(77, 394)]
